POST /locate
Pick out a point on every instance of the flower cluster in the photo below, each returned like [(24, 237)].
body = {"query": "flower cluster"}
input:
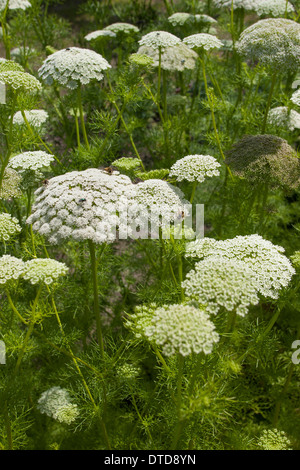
[(44, 270), (179, 19), (273, 439), (181, 329), (284, 117), (20, 81), (179, 57), (34, 160), (10, 184), (245, 4), (35, 117), (203, 41), (273, 42), (138, 321), (195, 168), (127, 164), (9, 226), (73, 66), (159, 40), (15, 4), (164, 201), (82, 205), (11, 269), (125, 28), (265, 159), (219, 282), (10, 65), (57, 404), (271, 268), (128, 372), (295, 98), (273, 7), (142, 60), (100, 33)]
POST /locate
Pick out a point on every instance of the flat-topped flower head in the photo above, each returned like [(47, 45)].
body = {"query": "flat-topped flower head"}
[(218, 282), (56, 403), (273, 439), (142, 60), (43, 270), (205, 19), (127, 164), (159, 40), (99, 34), (9, 227), (11, 268), (284, 118), (179, 19), (203, 41), (195, 168), (82, 205), (72, 67), (125, 28), (10, 65), (35, 117), (20, 81), (182, 329), (273, 7), (10, 184), (174, 58), (295, 98), (15, 4), (265, 159), (248, 5), (272, 269), (34, 160), (274, 42), (164, 201)]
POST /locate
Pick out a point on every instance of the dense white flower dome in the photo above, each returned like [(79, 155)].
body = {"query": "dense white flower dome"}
[(43, 270), (56, 403), (159, 40), (173, 58), (203, 41), (15, 4), (9, 226), (195, 168), (35, 117), (33, 160), (284, 118)]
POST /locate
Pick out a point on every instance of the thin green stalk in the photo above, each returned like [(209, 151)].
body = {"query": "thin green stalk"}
[(264, 124), (180, 270), (96, 298), (79, 100), (8, 427), (180, 421), (193, 191), (158, 75)]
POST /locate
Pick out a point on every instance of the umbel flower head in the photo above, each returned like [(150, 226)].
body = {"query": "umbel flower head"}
[(72, 67), (273, 7), (9, 226), (180, 18), (274, 42), (203, 41), (284, 118), (159, 40), (182, 329), (10, 184), (179, 57), (11, 268), (10, 65), (195, 168), (271, 268), (15, 4), (125, 28), (35, 117), (218, 282), (43, 270), (56, 403), (265, 159), (295, 98), (273, 439), (100, 33), (82, 205), (20, 81), (34, 160)]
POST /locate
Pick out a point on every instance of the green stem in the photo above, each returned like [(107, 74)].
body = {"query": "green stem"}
[(180, 421), (8, 427), (264, 124), (193, 191), (79, 99), (96, 298)]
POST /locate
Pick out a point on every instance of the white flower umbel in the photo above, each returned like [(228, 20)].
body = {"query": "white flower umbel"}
[(11, 269), (164, 201), (9, 226), (35, 117), (181, 329), (73, 66), (159, 40), (205, 19), (271, 267), (295, 98), (33, 160), (175, 58), (218, 282), (284, 118), (10, 65), (195, 168), (10, 184), (56, 403), (273, 42), (15, 4), (125, 28), (179, 19), (100, 33), (82, 205), (203, 41), (43, 270), (245, 4), (273, 7), (20, 81)]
